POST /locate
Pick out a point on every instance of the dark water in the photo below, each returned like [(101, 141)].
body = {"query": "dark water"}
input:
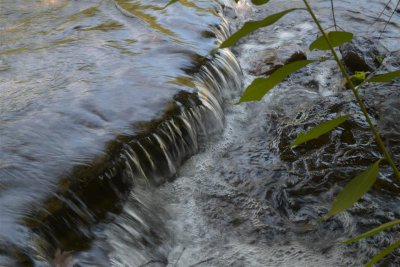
[(102, 101)]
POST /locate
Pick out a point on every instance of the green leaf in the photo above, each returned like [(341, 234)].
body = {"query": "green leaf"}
[(336, 38), (259, 2), (372, 232), (170, 3), (251, 26), (355, 189), (383, 254), (319, 130), (259, 87), (385, 77)]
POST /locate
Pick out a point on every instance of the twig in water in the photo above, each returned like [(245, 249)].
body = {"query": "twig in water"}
[(390, 18), (383, 11), (333, 15), (153, 261), (200, 262), (176, 263)]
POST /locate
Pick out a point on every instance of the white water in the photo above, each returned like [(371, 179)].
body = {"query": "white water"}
[(202, 224)]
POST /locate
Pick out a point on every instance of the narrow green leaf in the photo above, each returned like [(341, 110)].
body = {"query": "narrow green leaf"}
[(170, 3), (355, 189), (383, 254), (372, 232), (259, 2), (336, 38), (385, 77), (319, 130), (251, 26), (259, 87)]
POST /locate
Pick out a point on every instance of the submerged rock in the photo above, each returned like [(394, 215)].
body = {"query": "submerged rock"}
[(391, 62)]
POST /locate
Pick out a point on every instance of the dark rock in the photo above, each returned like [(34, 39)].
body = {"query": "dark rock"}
[(292, 55), (272, 68), (275, 59), (362, 54)]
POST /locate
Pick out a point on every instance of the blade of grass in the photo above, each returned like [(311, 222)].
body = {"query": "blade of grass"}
[(385, 77), (252, 26), (259, 87), (355, 189), (383, 254), (319, 130), (372, 232)]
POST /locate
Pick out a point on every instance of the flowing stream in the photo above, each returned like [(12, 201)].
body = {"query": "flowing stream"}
[(120, 144)]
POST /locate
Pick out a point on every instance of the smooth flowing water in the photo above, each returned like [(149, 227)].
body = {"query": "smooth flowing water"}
[(102, 101), (97, 98)]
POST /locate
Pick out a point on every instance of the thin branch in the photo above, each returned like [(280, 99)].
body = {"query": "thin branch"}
[(390, 18), (153, 261), (200, 262), (180, 256), (333, 15), (383, 11), (334, 26)]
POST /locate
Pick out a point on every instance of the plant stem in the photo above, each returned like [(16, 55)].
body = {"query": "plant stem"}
[(333, 15), (390, 18), (358, 98)]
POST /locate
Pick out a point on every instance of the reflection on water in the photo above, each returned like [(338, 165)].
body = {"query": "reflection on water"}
[(52, 2), (75, 75)]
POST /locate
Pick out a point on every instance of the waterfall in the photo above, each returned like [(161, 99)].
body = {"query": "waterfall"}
[(107, 205)]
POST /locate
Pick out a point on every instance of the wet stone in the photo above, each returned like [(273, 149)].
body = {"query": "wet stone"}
[(362, 54), (384, 99), (352, 149), (271, 60), (391, 62)]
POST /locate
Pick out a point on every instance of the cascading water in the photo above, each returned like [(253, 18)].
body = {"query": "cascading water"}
[(103, 212)]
